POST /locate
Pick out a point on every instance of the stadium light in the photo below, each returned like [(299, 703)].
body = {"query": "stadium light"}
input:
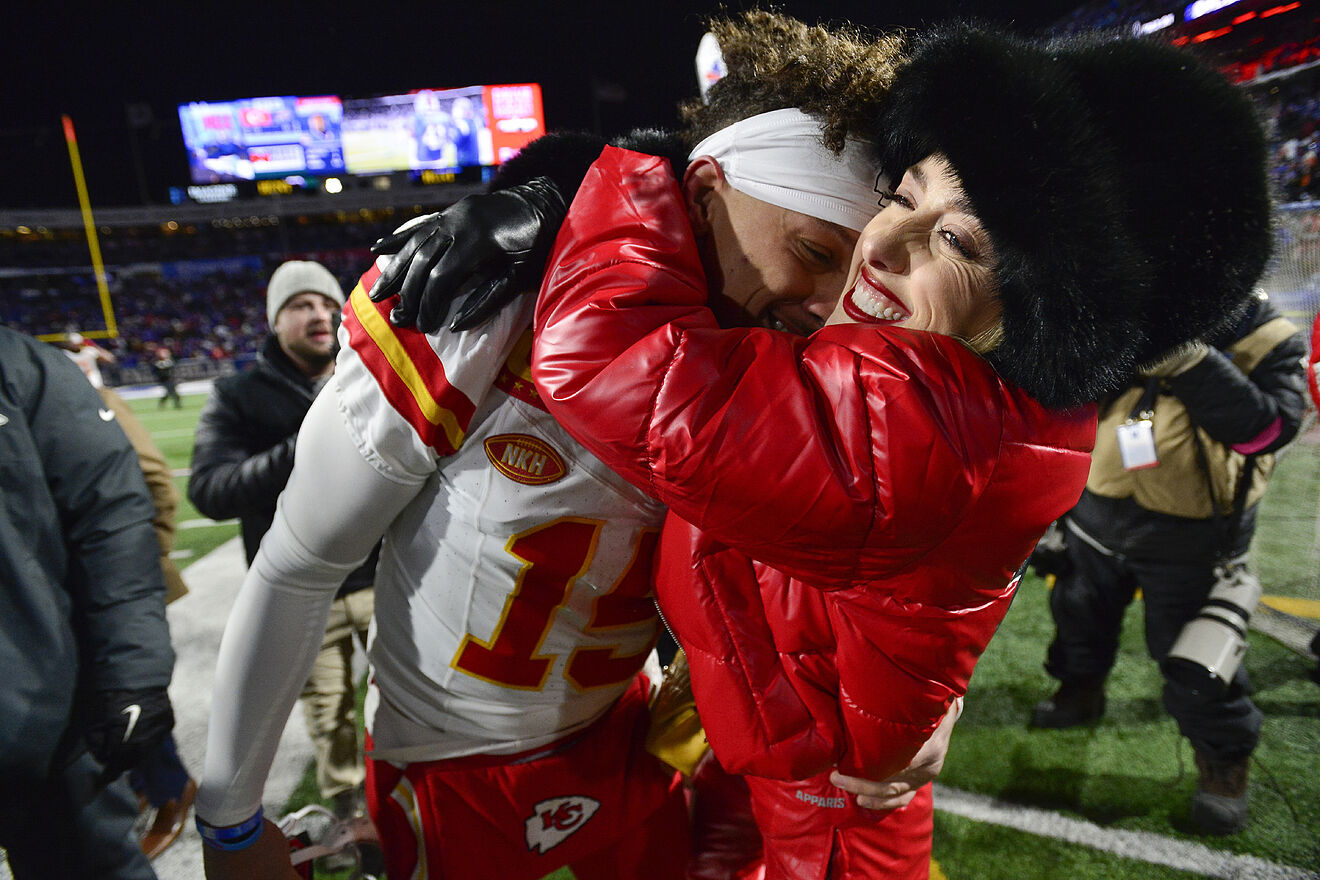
[(1205, 7), (1287, 7)]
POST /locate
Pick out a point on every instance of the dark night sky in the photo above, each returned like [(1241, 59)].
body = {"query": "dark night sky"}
[(159, 55)]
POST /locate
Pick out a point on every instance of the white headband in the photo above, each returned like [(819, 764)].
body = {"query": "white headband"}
[(777, 157)]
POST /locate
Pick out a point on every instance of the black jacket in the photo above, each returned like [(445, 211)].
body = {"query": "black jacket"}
[(82, 600), (243, 454)]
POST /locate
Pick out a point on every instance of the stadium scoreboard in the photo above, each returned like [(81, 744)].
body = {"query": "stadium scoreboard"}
[(274, 145)]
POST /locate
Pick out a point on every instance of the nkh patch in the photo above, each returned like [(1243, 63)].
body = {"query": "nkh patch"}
[(553, 820), (525, 459)]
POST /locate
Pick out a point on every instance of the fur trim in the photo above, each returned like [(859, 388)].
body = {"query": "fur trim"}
[(565, 156), (657, 142), (1122, 183)]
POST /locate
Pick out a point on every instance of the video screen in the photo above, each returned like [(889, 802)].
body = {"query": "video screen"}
[(262, 138), (441, 129)]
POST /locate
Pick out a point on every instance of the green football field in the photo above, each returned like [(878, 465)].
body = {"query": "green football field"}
[(173, 431), (1108, 801)]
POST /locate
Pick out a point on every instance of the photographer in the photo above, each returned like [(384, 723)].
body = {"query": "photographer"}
[(1185, 427)]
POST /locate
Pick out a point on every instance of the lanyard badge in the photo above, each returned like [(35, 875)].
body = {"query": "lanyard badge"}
[(1136, 442)]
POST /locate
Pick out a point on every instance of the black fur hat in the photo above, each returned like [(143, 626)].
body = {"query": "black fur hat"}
[(1121, 181), (565, 156)]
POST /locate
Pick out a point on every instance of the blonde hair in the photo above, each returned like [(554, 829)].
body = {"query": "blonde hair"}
[(987, 340)]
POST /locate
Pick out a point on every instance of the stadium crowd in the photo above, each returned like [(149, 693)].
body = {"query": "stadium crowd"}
[(1291, 109), (207, 306)]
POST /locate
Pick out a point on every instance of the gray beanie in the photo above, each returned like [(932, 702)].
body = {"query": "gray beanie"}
[(295, 277)]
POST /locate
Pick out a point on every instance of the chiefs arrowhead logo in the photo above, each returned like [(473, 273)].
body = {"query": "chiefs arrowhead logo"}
[(525, 459), (553, 820)]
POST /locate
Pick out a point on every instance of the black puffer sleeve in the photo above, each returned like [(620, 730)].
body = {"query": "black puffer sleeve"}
[(1236, 408), (114, 574), (226, 480)]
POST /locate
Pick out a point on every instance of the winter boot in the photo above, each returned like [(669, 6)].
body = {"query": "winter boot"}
[(1220, 803), (1072, 705)]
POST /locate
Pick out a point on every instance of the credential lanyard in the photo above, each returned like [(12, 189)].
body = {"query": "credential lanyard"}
[(1136, 436)]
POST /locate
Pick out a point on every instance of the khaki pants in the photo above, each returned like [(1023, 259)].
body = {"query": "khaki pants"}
[(329, 699)]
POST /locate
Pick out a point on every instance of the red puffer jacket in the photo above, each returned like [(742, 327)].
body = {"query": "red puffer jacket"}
[(847, 512)]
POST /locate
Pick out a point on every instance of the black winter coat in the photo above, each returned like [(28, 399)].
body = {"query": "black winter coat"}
[(243, 454), (82, 599)]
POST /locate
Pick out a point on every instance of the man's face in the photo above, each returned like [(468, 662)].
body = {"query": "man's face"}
[(305, 328), (775, 267)]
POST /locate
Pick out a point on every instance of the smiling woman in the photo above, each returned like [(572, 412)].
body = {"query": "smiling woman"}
[(924, 262)]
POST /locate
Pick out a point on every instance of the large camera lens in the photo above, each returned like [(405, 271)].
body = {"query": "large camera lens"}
[(1208, 651)]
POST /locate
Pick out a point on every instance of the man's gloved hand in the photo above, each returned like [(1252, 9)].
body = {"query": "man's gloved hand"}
[(494, 245), (123, 725)]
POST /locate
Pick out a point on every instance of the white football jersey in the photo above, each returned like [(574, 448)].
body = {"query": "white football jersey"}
[(513, 594)]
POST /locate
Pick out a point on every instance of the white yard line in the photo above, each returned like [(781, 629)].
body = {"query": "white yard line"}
[(1140, 846), (205, 524)]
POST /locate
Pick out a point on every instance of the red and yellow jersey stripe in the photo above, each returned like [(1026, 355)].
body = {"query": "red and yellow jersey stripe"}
[(410, 373)]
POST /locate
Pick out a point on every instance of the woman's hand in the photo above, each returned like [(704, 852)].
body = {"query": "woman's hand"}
[(898, 790)]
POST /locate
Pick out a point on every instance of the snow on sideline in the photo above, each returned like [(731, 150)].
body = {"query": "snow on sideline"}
[(196, 624), (1141, 846)]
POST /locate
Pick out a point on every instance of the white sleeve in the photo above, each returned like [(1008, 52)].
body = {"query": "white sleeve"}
[(409, 398), (334, 509)]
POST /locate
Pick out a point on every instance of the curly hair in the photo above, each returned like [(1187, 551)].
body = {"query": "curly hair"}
[(839, 74)]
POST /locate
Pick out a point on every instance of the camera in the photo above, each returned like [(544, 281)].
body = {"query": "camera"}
[(1208, 651)]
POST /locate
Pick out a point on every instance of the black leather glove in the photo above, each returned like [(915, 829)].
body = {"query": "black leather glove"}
[(122, 726), (494, 245), (1051, 554)]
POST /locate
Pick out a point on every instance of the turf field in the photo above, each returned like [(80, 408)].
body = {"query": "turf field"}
[(1109, 801), (173, 431)]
